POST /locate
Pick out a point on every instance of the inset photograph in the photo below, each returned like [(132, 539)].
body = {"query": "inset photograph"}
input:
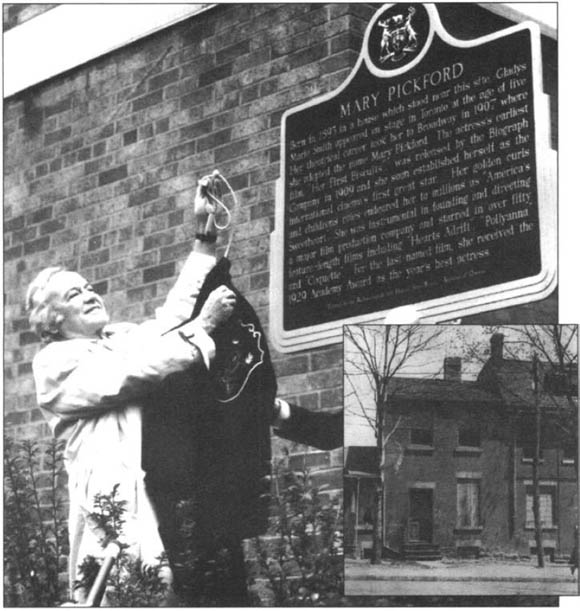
[(461, 460)]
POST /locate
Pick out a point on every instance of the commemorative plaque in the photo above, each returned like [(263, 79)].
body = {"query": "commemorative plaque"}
[(424, 180)]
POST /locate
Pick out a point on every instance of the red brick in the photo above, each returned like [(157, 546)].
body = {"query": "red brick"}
[(161, 80), (158, 207), (175, 252), (142, 294), (16, 418), (52, 226), (232, 52), (14, 223), (331, 398), (57, 135), (95, 243), (130, 137), (215, 139), (181, 151), (37, 245), (147, 100), (40, 215), (215, 74), (13, 253), (100, 148), (345, 40), (112, 175), (20, 324), (158, 240), (24, 368), (55, 165), (291, 366), (95, 258), (27, 337), (167, 270), (143, 196)]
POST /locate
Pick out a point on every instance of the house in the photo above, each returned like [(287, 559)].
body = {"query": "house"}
[(457, 469)]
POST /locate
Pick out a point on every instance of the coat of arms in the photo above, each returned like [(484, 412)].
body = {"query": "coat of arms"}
[(399, 38), (236, 358)]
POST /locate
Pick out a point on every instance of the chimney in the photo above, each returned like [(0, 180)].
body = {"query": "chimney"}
[(452, 369), (497, 347)]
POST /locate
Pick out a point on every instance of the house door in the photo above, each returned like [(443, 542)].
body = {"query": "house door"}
[(421, 513)]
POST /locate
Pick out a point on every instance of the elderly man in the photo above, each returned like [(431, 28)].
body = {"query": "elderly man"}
[(92, 379)]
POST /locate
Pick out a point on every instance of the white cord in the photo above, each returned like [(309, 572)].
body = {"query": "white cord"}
[(220, 205)]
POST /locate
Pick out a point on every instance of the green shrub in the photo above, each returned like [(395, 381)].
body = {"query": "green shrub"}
[(35, 534), (303, 557), (130, 582)]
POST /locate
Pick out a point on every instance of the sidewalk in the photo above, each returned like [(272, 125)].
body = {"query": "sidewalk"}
[(458, 578), (474, 570)]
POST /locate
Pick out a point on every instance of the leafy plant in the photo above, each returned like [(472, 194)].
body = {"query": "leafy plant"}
[(35, 536), (303, 561), (207, 559), (131, 583)]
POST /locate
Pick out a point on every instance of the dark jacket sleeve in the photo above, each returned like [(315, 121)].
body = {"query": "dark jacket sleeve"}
[(321, 429)]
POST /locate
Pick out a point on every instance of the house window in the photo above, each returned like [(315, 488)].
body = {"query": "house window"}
[(422, 436), (469, 435), (421, 427), (570, 454), (468, 504), (547, 507), (528, 453)]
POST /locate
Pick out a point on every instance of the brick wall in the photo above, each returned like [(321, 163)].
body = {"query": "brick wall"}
[(101, 162), (17, 14), (100, 165), (440, 465)]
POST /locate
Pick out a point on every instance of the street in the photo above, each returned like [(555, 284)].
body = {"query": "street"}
[(468, 578), (458, 588)]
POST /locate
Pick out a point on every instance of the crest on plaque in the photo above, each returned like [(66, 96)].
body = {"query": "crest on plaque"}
[(398, 36), (399, 39), (399, 189)]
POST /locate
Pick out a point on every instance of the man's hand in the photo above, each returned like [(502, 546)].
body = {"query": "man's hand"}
[(217, 308), (202, 206)]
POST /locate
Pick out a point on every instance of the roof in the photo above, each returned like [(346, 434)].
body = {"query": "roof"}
[(513, 381), (362, 459), (502, 382), (439, 390)]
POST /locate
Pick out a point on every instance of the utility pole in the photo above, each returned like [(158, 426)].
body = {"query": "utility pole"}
[(377, 553), (536, 464)]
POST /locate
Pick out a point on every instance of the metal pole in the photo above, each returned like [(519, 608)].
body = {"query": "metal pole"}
[(356, 550), (536, 467)]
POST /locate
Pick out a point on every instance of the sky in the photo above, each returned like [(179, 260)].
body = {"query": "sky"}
[(453, 342)]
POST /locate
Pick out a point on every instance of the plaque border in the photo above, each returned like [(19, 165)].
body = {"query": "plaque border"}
[(516, 292)]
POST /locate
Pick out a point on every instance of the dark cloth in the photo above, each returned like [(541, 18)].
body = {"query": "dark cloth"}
[(208, 569), (207, 447), (321, 429)]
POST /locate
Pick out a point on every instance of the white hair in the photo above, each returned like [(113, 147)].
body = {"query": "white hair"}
[(43, 318)]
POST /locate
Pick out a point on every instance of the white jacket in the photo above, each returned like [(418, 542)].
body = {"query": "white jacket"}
[(90, 392)]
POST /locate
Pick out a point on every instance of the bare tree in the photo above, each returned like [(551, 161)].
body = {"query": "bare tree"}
[(373, 355), (553, 354)]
